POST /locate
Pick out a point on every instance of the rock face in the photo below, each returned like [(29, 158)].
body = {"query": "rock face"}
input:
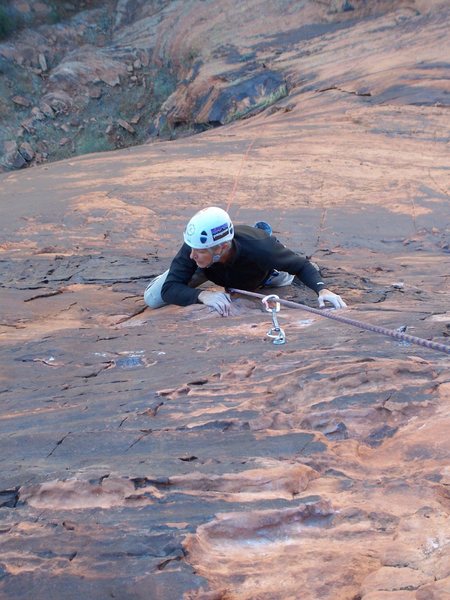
[(180, 69), (72, 77), (175, 454)]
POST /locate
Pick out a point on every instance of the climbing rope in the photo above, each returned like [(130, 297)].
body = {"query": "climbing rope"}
[(399, 335), (235, 184)]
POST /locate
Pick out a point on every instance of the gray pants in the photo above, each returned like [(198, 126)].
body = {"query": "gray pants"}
[(153, 299)]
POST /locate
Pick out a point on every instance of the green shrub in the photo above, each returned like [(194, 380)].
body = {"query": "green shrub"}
[(92, 141), (276, 95), (8, 22)]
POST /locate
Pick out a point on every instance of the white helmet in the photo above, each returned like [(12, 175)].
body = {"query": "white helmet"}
[(209, 227)]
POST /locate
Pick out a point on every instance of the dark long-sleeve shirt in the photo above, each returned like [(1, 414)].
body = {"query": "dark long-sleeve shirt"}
[(256, 254)]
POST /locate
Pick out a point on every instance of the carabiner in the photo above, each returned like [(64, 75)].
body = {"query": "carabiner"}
[(274, 299)]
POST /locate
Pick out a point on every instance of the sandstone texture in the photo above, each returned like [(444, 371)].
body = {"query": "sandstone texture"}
[(174, 454)]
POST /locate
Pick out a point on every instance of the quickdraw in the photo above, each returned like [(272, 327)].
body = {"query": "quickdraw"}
[(272, 304), (399, 335)]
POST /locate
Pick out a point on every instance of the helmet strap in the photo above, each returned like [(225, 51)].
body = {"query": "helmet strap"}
[(216, 257)]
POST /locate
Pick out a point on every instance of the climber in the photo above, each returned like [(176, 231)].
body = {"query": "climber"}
[(243, 257)]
